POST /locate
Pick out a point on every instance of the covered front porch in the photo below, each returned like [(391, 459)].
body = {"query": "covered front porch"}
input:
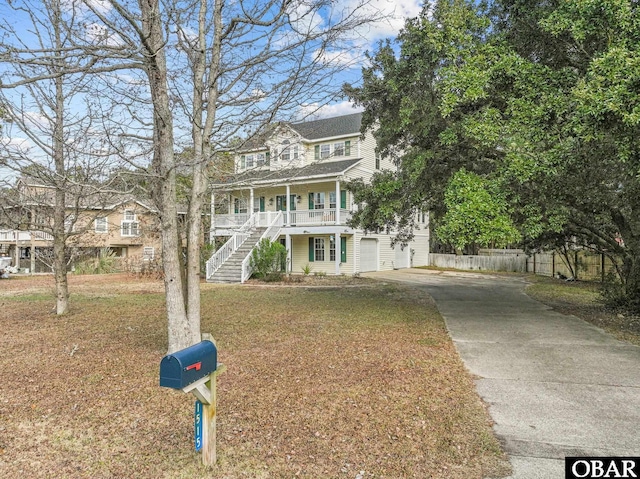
[(303, 205)]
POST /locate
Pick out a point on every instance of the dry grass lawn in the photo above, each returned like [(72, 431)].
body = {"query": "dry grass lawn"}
[(583, 299), (346, 381)]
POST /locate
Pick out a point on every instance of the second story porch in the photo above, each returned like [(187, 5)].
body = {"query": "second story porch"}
[(303, 205)]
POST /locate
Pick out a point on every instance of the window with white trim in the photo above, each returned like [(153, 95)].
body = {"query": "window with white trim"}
[(249, 161), (101, 225), (318, 249), (332, 248), (285, 153), (260, 159), (318, 201), (325, 151), (338, 149), (130, 225), (332, 199), (148, 253)]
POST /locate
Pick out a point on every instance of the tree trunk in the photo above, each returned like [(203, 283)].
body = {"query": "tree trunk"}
[(180, 335), (201, 132), (632, 279), (59, 213)]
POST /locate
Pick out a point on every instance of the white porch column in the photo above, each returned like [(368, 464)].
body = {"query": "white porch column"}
[(288, 202), (338, 203), (212, 226), (250, 208), (338, 252), (17, 252), (229, 205), (289, 256)]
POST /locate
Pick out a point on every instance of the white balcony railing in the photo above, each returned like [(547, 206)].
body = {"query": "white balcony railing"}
[(296, 218), (15, 235)]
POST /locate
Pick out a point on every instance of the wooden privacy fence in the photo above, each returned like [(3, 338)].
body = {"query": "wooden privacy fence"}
[(505, 262), (586, 265)]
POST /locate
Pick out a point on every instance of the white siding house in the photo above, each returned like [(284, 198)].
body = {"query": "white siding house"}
[(290, 187)]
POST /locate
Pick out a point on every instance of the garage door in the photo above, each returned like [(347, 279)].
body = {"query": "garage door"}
[(402, 257), (368, 255)]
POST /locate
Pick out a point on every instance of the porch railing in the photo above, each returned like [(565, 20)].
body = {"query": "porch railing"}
[(230, 247), (296, 217), (272, 232), (16, 235)]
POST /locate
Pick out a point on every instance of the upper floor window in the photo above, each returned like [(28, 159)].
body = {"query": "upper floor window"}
[(129, 225), (101, 225), (288, 151), (329, 150), (377, 161), (249, 159), (240, 206), (260, 159), (318, 201)]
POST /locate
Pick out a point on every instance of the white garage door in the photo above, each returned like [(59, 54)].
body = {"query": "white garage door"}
[(368, 255), (402, 257)]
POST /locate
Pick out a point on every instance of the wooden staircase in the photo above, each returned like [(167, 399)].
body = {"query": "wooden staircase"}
[(231, 270)]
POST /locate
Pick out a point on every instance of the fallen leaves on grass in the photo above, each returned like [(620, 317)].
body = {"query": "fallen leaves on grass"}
[(321, 383)]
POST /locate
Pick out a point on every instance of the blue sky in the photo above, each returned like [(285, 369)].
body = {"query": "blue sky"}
[(350, 53)]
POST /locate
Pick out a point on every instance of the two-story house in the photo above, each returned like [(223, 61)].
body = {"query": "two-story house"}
[(120, 224), (289, 186)]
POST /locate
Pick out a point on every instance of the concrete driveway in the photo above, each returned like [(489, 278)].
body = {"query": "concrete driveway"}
[(556, 386)]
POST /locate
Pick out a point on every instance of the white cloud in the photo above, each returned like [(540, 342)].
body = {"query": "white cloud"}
[(305, 18), (83, 6), (393, 13), (34, 120), (314, 111), (16, 146), (100, 34)]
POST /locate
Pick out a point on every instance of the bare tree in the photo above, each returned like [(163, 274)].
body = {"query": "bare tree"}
[(171, 76), (248, 63), (51, 138)]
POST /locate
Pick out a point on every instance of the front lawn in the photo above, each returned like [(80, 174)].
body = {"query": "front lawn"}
[(321, 382)]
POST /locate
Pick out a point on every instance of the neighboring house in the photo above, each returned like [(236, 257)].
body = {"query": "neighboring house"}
[(290, 186), (119, 224)]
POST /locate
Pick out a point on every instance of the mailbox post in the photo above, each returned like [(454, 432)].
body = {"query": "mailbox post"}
[(195, 369)]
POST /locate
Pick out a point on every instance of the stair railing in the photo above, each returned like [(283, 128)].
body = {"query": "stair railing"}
[(272, 232), (231, 246)]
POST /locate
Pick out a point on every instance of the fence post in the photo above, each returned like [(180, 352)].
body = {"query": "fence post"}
[(602, 267), (534, 263), (553, 264)]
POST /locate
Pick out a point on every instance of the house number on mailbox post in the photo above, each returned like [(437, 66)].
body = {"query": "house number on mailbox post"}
[(195, 369)]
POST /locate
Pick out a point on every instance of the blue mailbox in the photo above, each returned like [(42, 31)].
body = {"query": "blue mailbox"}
[(182, 368)]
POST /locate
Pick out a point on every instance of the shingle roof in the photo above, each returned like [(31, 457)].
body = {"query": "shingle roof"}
[(315, 170), (329, 127)]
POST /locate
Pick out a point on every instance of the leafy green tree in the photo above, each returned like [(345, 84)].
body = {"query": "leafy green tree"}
[(476, 213), (541, 98)]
